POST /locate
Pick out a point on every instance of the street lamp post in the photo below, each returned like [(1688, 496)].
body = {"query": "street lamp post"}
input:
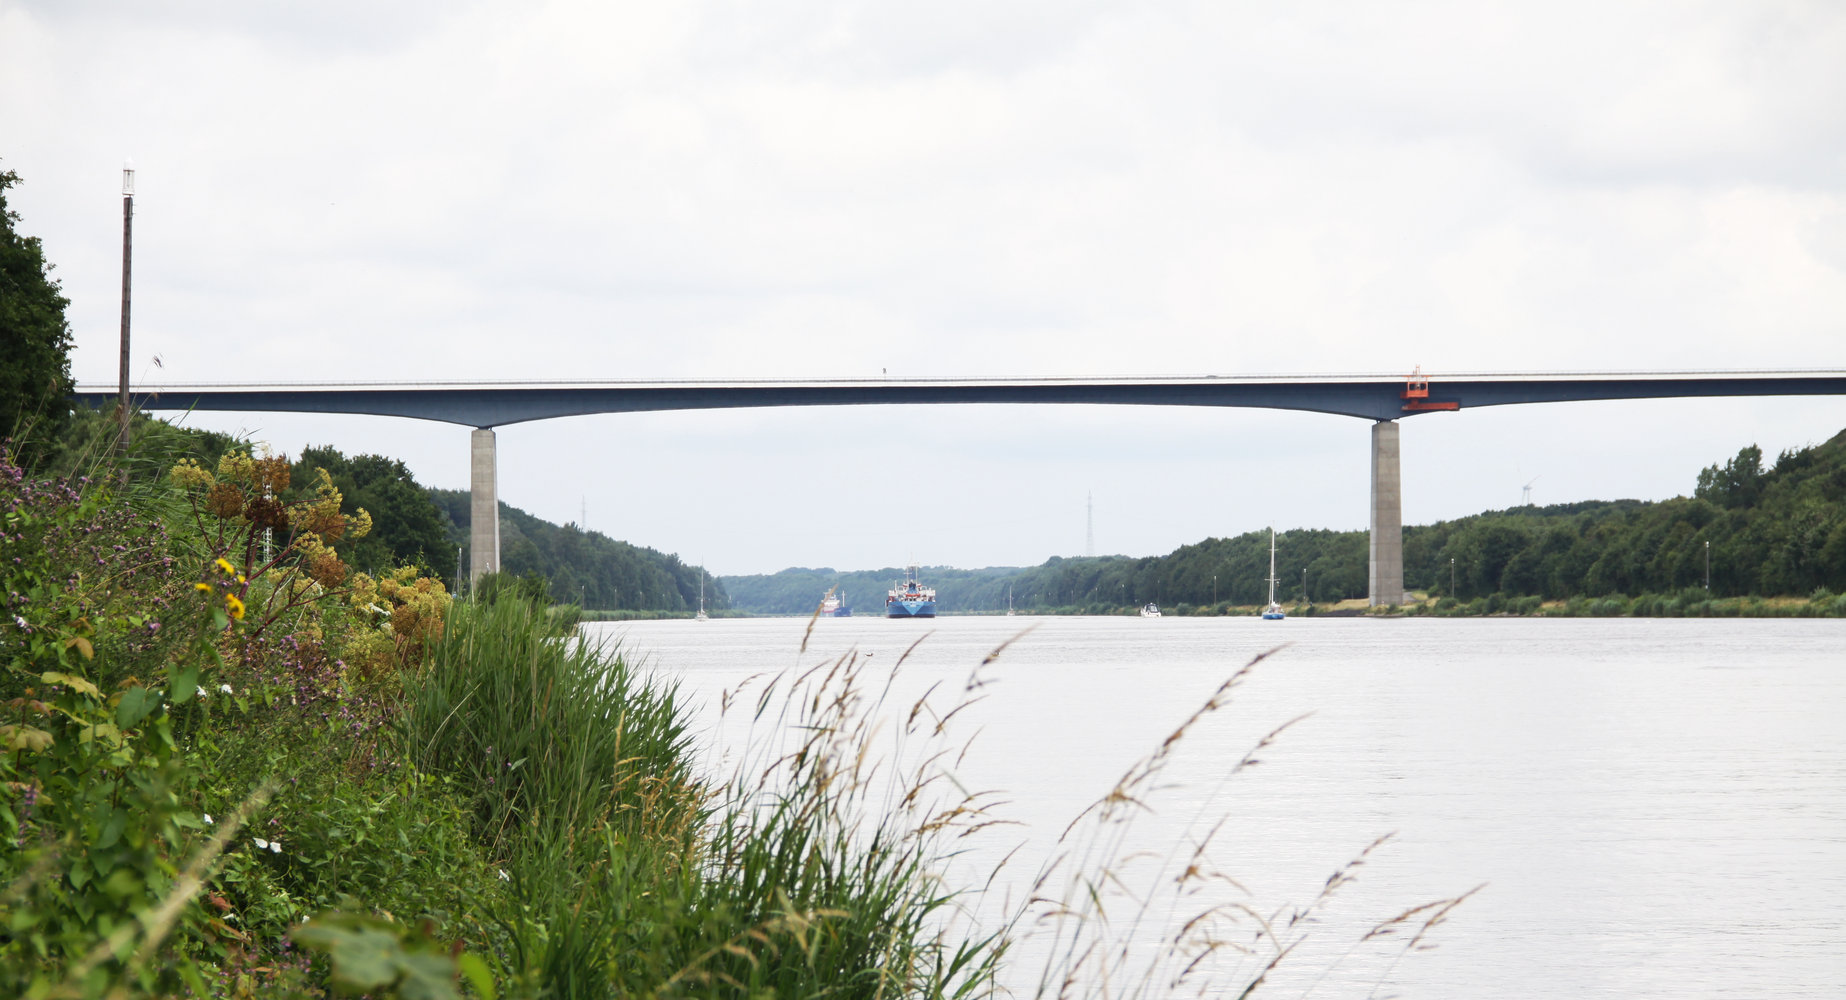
[(128, 230), (1452, 577)]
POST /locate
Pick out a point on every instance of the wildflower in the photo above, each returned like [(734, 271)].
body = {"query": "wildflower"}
[(261, 844), (208, 819), (225, 564), (226, 688), (234, 606), (275, 847), (203, 588)]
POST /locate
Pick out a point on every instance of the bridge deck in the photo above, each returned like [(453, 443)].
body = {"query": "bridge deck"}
[(490, 404)]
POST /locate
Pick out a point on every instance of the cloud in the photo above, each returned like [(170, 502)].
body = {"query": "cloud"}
[(717, 189)]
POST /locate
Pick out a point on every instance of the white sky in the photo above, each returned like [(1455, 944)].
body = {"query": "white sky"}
[(494, 190)]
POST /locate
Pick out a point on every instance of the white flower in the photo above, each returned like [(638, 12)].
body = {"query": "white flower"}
[(275, 847), (19, 621), (208, 819), (226, 688), (504, 877), (261, 844)]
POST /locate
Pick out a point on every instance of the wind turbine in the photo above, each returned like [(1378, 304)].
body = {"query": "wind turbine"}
[(1525, 499)]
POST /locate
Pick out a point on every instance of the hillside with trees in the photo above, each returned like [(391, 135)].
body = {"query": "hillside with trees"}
[(585, 567), (1769, 531)]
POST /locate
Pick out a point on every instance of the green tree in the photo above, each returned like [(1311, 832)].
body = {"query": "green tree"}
[(35, 340), (1737, 483), (407, 526)]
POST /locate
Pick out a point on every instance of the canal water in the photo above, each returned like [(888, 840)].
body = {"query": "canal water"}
[(1651, 807)]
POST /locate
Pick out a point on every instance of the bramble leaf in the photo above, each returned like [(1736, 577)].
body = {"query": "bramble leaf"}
[(71, 681), (22, 737)]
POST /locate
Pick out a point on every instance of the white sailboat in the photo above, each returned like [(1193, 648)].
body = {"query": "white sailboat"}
[(1009, 600), (1274, 611), (701, 616)]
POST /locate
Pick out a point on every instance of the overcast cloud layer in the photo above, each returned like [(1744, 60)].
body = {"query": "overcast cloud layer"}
[(585, 190)]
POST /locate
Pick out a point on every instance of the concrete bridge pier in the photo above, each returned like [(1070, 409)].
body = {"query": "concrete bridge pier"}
[(483, 506), (1387, 576)]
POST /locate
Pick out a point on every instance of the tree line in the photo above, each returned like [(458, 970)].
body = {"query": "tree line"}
[(1748, 529)]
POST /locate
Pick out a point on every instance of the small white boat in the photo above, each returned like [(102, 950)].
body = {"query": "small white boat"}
[(701, 616), (1272, 613), (1151, 611), (1009, 600)]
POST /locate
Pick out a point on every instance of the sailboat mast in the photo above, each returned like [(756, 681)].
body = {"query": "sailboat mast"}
[(1272, 565)]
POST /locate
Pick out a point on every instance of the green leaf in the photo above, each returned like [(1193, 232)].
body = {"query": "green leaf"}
[(135, 705), (17, 736), (71, 681), (363, 959), (184, 682), (427, 976), (474, 967)]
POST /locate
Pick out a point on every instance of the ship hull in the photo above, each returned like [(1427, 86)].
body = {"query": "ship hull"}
[(910, 609)]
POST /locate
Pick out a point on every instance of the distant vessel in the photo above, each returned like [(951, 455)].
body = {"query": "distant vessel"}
[(1009, 600), (910, 599), (1272, 613), (835, 607), (701, 616), (1151, 611)]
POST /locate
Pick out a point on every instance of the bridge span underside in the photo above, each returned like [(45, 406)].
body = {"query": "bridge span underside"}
[(485, 406)]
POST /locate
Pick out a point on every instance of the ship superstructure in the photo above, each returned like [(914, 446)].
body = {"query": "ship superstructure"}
[(910, 599)]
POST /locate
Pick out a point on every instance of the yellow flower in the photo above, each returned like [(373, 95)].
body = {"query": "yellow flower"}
[(203, 588), (234, 606), (225, 564)]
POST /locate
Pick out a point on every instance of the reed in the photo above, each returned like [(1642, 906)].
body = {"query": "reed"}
[(1114, 921), (799, 874)]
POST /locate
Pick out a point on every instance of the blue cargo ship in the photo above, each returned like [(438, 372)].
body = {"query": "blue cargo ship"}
[(911, 599)]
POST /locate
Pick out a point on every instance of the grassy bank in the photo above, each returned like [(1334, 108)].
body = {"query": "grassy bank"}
[(230, 766), (239, 769)]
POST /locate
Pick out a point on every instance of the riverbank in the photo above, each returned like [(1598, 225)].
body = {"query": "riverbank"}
[(233, 769)]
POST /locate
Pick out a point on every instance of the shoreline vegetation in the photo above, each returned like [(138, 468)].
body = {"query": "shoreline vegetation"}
[(232, 765), (1690, 603), (1753, 540)]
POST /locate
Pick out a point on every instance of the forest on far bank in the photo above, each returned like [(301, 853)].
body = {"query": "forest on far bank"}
[(1768, 530)]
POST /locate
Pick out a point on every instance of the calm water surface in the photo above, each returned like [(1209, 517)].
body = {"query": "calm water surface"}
[(1658, 807)]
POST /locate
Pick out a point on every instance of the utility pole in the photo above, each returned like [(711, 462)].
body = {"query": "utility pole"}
[(128, 232), (1708, 565), (1452, 577)]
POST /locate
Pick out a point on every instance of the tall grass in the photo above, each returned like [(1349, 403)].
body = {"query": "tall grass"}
[(628, 877), (1119, 922)]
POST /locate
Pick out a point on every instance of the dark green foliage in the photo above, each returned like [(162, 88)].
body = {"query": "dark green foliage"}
[(86, 447), (1776, 532), (531, 588), (35, 340), (587, 568), (1736, 483), (408, 529)]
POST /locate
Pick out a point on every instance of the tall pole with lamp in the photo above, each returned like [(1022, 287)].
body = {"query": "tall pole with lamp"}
[(128, 231)]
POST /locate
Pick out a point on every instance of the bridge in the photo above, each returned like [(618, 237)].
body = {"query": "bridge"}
[(1381, 399)]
